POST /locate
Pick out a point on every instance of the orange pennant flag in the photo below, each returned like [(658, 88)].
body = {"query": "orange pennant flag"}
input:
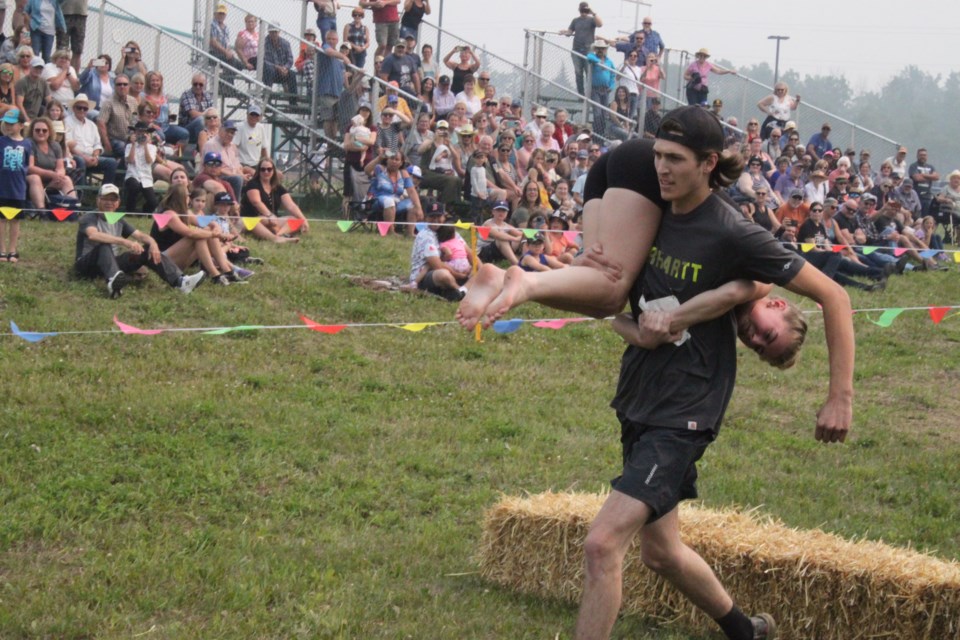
[(937, 314), (250, 223), (61, 214), (323, 328), (294, 224), (484, 232)]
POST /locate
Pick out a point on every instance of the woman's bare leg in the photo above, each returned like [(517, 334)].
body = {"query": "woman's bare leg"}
[(623, 224), (183, 253)]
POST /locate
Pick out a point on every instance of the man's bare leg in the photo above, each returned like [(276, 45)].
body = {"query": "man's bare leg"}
[(611, 533)]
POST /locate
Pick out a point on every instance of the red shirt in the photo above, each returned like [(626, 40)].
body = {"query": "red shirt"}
[(561, 134), (387, 14)]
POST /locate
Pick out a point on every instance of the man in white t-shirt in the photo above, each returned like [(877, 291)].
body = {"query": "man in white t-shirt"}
[(61, 77), (251, 138)]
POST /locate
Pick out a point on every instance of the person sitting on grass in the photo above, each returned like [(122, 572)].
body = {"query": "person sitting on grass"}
[(184, 242), (392, 188), (265, 197), (427, 271), (228, 222), (534, 258), (99, 243), (454, 252), (503, 239), (561, 247)]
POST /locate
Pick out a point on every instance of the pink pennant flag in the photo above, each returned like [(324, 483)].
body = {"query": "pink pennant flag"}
[(571, 236), (937, 314), (127, 329), (384, 228), (484, 232), (61, 214), (557, 324), (294, 224), (162, 219), (899, 251), (323, 328)]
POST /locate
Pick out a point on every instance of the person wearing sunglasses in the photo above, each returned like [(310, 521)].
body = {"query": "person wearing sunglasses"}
[(357, 36), (116, 117), (8, 93), (193, 103), (264, 196), (84, 143)]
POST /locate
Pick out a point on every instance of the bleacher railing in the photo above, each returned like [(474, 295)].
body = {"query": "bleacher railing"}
[(741, 94), (178, 58)]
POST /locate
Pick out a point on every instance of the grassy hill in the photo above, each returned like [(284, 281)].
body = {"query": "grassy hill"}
[(290, 484)]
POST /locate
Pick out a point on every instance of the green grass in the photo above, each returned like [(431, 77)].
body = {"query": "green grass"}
[(288, 484)]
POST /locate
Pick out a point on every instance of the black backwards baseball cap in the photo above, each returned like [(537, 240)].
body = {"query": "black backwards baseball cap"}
[(694, 127)]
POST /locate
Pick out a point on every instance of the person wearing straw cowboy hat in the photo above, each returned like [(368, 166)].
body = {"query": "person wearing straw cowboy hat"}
[(697, 76), (83, 141), (604, 80)]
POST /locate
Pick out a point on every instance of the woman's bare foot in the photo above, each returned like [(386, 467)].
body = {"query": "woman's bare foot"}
[(483, 288), (513, 293)]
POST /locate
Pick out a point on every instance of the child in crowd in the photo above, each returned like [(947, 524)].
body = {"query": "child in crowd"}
[(453, 249), (15, 152), (561, 247), (360, 134), (534, 258), (442, 161), (141, 153), (478, 176)]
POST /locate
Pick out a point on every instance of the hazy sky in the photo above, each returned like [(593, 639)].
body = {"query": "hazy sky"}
[(867, 41)]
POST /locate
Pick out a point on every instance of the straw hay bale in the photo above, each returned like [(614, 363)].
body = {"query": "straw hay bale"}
[(817, 585)]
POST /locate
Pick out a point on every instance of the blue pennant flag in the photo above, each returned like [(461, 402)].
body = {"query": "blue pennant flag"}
[(29, 336), (507, 326)]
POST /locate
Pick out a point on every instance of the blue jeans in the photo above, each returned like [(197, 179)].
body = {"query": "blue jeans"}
[(174, 134), (107, 166), (600, 95), (579, 71), (326, 24), (194, 127), (236, 182), (42, 44)]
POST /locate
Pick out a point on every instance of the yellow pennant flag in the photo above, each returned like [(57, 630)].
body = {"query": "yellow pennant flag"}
[(462, 225), (10, 212), (250, 223), (807, 246), (956, 256), (417, 326)]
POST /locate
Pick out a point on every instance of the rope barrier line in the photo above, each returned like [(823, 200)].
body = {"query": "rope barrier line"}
[(384, 228), (888, 314)]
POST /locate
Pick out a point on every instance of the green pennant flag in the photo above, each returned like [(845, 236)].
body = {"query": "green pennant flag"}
[(344, 225), (887, 317), (220, 332), (868, 250), (113, 217), (530, 233)]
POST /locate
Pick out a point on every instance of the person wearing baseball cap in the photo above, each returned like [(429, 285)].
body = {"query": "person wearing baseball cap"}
[(250, 138), (210, 176), (221, 41), (99, 244), (222, 146), (583, 28), (427, 271), (819, 144)]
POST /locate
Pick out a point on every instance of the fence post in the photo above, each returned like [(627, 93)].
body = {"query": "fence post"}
[(264, 26), (587, 87), (538, 66), (525, 93), (216, 82), (100, 22), (743, 104), (156, 51)]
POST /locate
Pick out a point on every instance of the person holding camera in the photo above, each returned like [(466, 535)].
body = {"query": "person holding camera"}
[(141, 153), (697, 76), (583, 28)]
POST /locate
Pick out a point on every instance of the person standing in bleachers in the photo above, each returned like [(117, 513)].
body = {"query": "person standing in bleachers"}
[(386, 21), (46, 18), (331, 74), (583, 28), (326, 15), (75, 17), (278, 61)]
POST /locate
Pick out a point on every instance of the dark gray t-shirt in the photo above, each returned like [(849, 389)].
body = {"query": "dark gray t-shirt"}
[(689, 387), (49, 159), (584, 30), (85, 245)]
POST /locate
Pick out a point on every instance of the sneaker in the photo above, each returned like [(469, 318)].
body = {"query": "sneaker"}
[(764, 627), (242, 274), (222, 280), (189, 283), (253, 260), (116, 283)]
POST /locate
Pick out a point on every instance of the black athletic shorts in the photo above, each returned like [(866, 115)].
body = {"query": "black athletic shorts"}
[(659, 465), (629, 166), (428, 284), (490, 253)]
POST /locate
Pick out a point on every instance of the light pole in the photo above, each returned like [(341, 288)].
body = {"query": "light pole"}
[(776, 64), (636, 13)]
